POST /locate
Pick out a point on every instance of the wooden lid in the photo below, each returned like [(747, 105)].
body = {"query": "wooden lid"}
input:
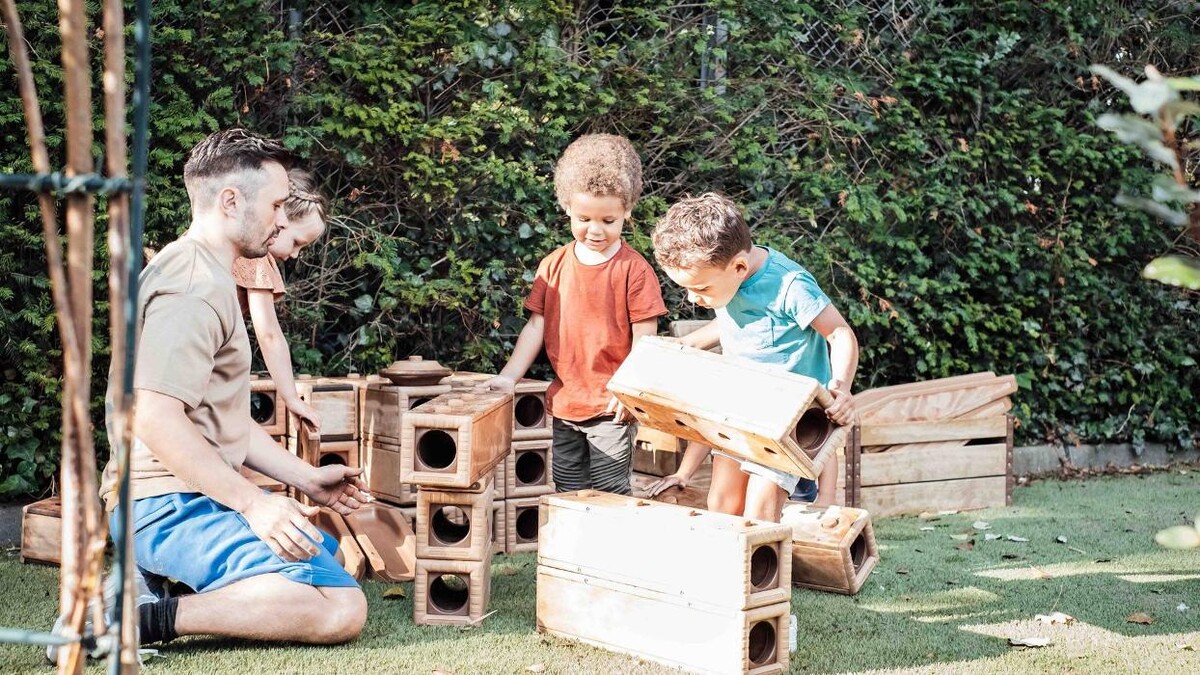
[(415, 371)]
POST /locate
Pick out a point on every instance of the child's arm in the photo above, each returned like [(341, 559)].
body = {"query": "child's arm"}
[(529, 344), (704, 337), (640, 329), (693, 457), (843, 361), (275, 352)]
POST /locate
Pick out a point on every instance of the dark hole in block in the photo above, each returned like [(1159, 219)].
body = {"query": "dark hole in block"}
[(527, 524), (639, 410), (530, 468), (812, 430), (764, 567), (858, 552), (681, 423), (529, 411), (332, 458), (761, 648), (436, 449), (449, 594), (414, 402), (262, 407), (449, 525)]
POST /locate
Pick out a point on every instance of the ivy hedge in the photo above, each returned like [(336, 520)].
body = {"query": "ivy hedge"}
[(936, 164)]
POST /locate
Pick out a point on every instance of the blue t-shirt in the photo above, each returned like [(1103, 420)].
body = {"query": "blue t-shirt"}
[(769, 320)]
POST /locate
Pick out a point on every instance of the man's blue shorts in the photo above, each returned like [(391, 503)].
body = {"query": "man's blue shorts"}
[(192, 539)]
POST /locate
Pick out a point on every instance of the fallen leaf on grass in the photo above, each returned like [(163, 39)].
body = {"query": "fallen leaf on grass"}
[(1055, 617), (470, 625), (982, 525), (1029, 642), (991, 536), (965, 546), (947, 513), (395, 592), (1060, 539), (962, 537), (929, 515), (1182, 607), (1013, 537), (902, 571), (1009, 556), (1185, 647), (1139, 617), (1104, 560), (928, 529), (508, 569), (906, 598), (536, 668)]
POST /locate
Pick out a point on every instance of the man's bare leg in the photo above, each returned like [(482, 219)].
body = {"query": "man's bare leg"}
[(272, 607), (764, 499), (727, 491)]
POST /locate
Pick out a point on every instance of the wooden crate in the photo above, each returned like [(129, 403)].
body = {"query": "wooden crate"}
[(528, 469), (662, 627), (451, 592), (499, 527), (384, 404), (758, 412), (456, 440), (702, 556), (266, 406), (454, 525), (384, 533), (531, 416), (657, 453), (521, 523), (381, 471), (975, 475), (833, 548), (41, 531)]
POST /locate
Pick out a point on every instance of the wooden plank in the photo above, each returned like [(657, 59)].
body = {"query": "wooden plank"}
[(41, 531), (702, 556), (528, 469), (904, 465), (386, 538), (833, 548), (454, 525), (384, 404), (870, 399), (661, 627), (760, 413), (451, 592), (456, 440), (941, 430), (938, 403), (960, 495)]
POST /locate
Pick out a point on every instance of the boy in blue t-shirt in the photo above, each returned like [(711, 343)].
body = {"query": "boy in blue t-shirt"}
[(769, 310)]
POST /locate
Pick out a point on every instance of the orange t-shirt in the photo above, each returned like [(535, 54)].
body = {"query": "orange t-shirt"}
[(257, 273), (589, 311)]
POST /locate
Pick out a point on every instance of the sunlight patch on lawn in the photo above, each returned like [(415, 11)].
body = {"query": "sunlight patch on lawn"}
[(1137, 565), (1158, 578)]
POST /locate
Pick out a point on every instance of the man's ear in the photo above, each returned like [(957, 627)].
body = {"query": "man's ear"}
[(229, 200)]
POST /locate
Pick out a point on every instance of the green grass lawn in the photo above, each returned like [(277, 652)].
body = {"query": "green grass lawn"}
[(930, 606)]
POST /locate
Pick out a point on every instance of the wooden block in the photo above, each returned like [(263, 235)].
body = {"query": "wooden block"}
[(661, 627), (381, 470), (531, 417), (961, 495), (451, 592), (940, 430), (454, 525), (456, 440), (521, 525), (465, 379), (528, 469), (833, 548), (700, 556), (386, 538), (499, 528), (760, 413), (41, 531), (500, 480), (384, 404), (266, 406), (336, 401), (339, 452), (349, 553)]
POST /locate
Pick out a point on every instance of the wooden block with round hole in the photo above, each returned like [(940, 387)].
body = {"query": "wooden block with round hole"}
[(528, 469), (499, 528), (451, 592), (384, 404), (522, 524), (531, 417), (454, 525), (266, 406), (338, 452), (41, 531), (833, 548), (456, 440), (661, 627), (703, 556), (750, 410), (381, 471)]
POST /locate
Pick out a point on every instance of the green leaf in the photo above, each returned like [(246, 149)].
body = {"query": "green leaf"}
[(1174, 270)]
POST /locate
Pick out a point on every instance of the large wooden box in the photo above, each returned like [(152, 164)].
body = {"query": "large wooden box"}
[(528, 469), (833, 549), (661, 627), (456, 440), (41, 531), (454, 525), (702, 556), (747, 409), (451, 592), (384, 404)]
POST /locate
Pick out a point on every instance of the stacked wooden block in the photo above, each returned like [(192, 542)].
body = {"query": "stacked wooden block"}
[(833, 548), (672, 584)]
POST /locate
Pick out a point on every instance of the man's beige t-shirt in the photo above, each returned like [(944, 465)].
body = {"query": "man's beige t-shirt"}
[(192, 346)]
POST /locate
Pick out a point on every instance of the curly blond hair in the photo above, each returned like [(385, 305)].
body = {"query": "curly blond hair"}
[(708, 230), (603, 165)]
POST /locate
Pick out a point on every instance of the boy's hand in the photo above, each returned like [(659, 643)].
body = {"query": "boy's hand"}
[(502, 383), (664, 483), (339, 487), (843, 410), (618, 411)]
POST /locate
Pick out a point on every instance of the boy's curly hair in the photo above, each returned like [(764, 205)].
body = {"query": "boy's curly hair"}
[(599, 164), (708, 230)]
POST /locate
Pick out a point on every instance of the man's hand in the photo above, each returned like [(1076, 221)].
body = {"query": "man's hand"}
[(502, 383), (618, 411), (843, 410), (283, 524), (304, 411), (664, 483), (338, 487)]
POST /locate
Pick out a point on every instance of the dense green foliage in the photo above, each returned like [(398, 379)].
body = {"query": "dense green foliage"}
[(940, 172)]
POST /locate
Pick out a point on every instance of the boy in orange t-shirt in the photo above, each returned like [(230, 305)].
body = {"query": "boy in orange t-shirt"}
[(591, 300)]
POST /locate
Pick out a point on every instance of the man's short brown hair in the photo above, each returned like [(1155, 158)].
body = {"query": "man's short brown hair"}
[(705, 230), (603, 165), (231, 151)]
